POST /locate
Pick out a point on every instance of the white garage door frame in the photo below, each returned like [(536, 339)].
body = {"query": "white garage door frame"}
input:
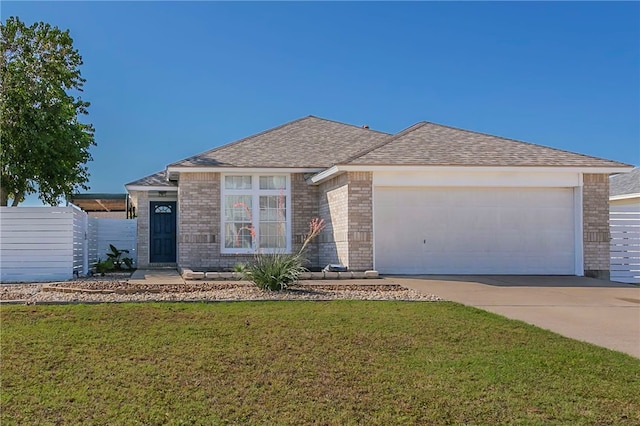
[(460, 180)]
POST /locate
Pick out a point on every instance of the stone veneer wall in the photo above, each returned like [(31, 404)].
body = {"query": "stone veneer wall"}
[(595, 219)]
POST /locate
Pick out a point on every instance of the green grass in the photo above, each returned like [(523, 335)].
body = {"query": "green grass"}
[(347, 362)]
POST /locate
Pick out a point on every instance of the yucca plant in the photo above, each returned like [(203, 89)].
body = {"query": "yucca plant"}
[(275, 271)]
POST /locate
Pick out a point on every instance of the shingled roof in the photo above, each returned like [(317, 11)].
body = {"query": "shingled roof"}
[(309, 142), (156, 179), (317, 143), (625, 183), (432, 144)]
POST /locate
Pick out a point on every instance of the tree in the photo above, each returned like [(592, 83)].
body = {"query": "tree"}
[(44, 148)]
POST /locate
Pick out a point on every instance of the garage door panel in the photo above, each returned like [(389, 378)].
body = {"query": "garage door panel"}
[(474, 231)]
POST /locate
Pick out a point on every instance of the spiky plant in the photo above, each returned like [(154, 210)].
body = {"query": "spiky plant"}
[(275, 271)]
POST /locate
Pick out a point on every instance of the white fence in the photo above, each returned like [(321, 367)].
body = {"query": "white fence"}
[(119, 232), (625, 243), (56, 243)]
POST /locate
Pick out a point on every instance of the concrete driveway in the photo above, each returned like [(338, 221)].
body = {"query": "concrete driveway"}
[(596, 311)]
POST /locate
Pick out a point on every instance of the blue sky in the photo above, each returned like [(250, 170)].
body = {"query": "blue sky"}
[(167, 80)]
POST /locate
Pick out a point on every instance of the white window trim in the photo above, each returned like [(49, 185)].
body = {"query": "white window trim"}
[(255, 193)]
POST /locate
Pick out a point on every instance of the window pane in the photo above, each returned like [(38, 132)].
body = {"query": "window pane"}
[(273, 235), (239, 235), (237, 208), (162, 209), (237, 182), (273, 182), (273, 208), (246, 229)]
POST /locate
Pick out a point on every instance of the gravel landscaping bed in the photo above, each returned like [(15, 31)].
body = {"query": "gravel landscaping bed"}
[(118, 289)]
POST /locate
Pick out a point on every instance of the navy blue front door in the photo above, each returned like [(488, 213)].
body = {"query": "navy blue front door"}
[(162, 228)]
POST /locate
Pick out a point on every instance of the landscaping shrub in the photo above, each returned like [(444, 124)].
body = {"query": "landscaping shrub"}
[(115, 255), (275, 271)]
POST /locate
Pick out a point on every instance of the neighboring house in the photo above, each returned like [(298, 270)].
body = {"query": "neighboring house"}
[(431, 199), (624, 208)]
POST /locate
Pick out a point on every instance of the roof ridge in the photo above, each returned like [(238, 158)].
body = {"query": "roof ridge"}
[(527, 143), (348, 124), (265, 132), (385, 142)]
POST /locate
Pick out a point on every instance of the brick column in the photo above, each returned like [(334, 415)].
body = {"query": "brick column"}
[(199, 221), (304, 207), (595, 218), (333, 204), (360, 231), (142, 210)]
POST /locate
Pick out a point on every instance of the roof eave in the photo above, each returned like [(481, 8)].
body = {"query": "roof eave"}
[(339, 169), (624, 196), (174, 171), (151, 188)]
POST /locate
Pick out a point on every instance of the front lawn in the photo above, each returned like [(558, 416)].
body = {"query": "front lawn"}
[(342, 362)]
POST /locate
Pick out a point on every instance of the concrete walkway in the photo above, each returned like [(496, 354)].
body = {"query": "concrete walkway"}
[(600, 312), (156, 276)]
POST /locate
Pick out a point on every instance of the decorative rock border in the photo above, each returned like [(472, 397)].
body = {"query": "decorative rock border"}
[(189, 275), (203, 286)]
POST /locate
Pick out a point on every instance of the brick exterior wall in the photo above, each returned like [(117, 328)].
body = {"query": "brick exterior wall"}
[(304, 207), (141, 199), (346, 206), (595, 219), (360, 214), (333, 204), (199, 220), (199, 223)]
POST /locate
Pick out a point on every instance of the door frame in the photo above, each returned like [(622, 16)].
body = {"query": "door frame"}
[(174, 213)]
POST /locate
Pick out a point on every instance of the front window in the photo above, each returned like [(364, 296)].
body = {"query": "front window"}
[(257, 216)]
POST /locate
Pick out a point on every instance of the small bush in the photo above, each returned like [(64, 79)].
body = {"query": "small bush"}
[(115, 255), (275, 271), (104, 266)]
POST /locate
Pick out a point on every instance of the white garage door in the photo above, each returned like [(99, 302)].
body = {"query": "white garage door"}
[(474, 230)]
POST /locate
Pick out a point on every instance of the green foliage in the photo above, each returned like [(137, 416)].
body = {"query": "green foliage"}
[(275, 271), (104, 266), (128, 262), (115, 255), (239, 267), (44, 147)]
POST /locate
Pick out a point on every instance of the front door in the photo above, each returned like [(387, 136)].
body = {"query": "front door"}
[(162, 232)]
